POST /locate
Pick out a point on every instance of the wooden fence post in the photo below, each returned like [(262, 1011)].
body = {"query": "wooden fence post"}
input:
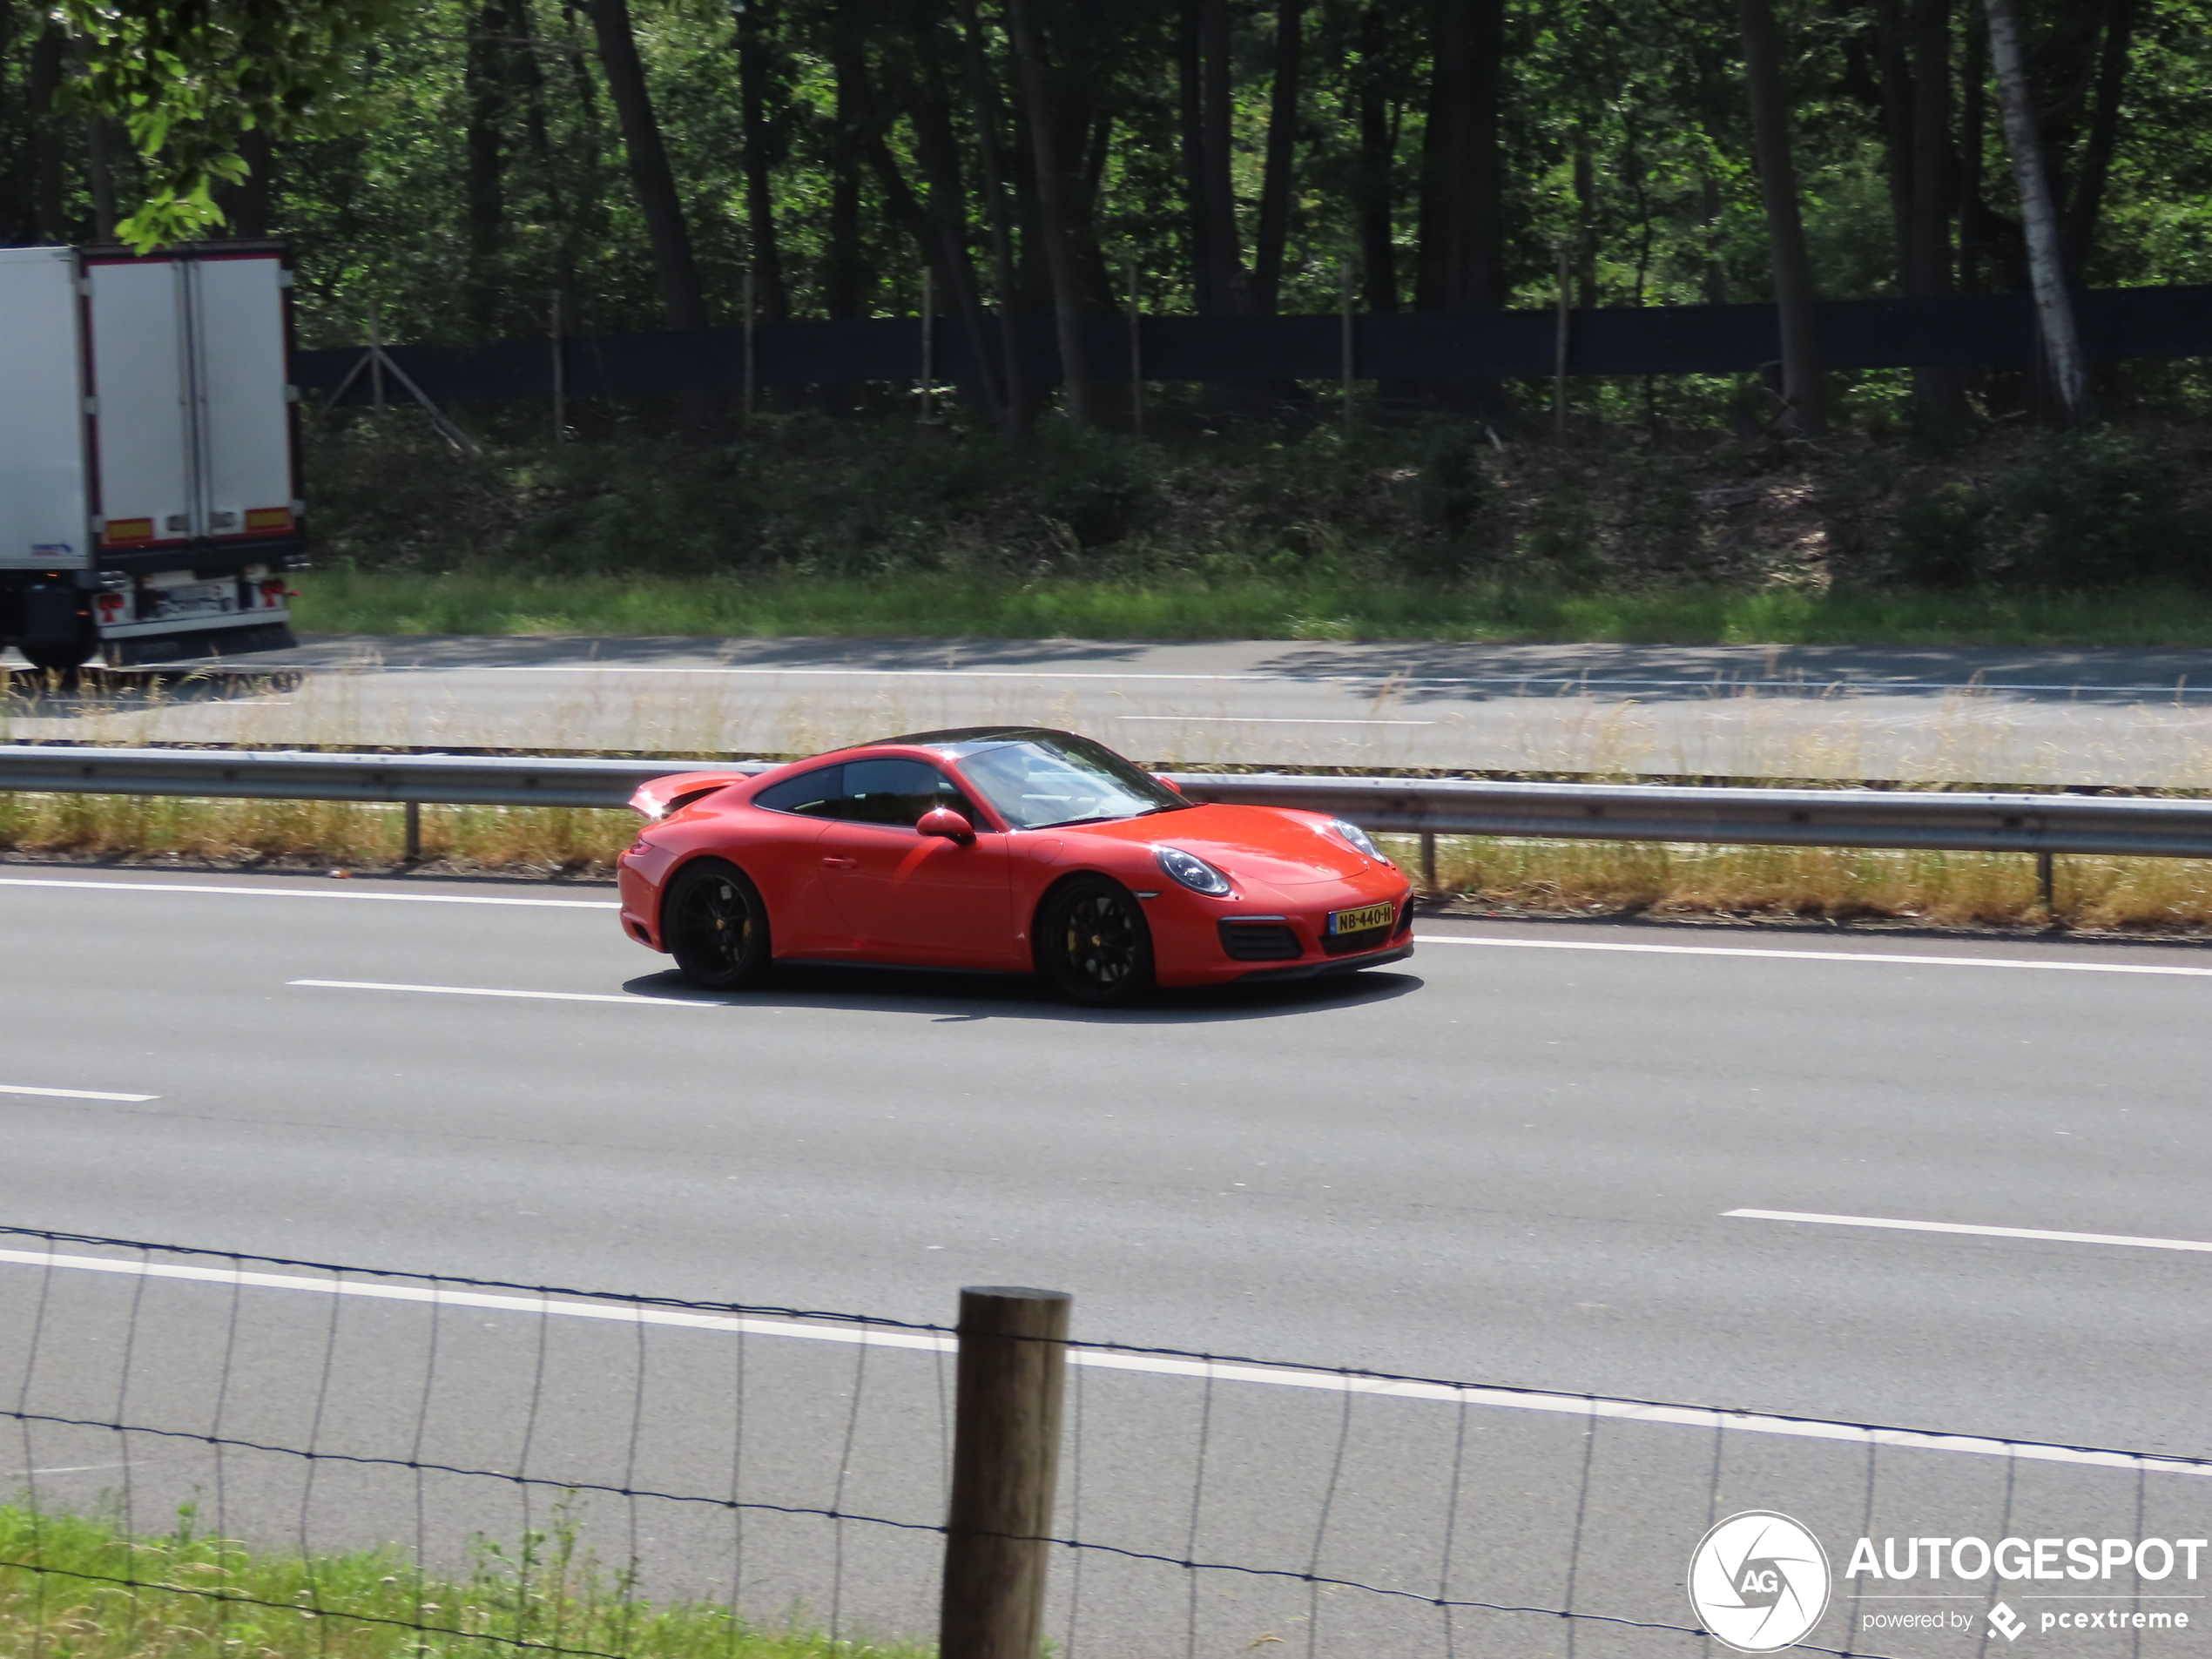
[(1348, 340), (560, 374), (752, 370), (1136, 355), (928, 342), (1006, 1453)]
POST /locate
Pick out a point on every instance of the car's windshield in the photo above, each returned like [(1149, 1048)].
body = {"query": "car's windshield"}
[(1036, 782)]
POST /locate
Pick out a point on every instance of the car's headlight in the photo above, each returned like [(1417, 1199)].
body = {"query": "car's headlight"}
[(1358, 837), (1189, 870)]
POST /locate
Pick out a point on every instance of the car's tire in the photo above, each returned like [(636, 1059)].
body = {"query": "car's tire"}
[(716, 927), (1092, 944), (54, 656)]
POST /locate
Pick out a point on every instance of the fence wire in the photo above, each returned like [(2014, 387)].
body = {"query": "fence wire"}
[(302, 1448)]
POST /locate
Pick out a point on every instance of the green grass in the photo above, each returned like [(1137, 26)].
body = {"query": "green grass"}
[(548, 1592), (479, 599)]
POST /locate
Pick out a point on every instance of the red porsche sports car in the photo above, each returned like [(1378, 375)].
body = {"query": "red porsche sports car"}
[(1006, 848)]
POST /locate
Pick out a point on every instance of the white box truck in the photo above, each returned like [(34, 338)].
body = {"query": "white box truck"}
[(149, 482)]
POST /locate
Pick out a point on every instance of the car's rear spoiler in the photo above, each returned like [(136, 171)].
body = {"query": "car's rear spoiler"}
[(665, 795)]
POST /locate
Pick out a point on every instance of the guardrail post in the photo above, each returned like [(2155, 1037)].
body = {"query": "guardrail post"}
[(414, 852), (1428, 861), (1006, 1455), (2046, 885)]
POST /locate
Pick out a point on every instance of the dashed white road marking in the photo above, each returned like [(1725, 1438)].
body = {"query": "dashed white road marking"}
[(1584, 1406), (72, 1093), (2130, 1239), (480, 990), (309, 893), (1891, 957)]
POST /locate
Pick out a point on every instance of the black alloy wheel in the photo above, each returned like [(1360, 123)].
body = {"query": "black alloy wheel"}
[(715, 925), (1092, 944)]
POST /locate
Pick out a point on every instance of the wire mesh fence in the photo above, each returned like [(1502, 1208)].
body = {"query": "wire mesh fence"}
[(313, 1457)]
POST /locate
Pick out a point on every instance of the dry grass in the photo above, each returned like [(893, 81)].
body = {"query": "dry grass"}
[(1839, 884), (539, 839)]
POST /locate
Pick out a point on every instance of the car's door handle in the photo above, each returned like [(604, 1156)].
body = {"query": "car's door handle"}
[(841, 864)]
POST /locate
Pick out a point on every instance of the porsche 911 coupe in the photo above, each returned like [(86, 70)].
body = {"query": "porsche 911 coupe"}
[(1004, 849)]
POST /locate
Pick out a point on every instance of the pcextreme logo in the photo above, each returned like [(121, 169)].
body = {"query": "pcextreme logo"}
[(1759, 1581)]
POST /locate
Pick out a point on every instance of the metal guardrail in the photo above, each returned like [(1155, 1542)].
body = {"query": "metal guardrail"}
[(1924, 819), (455, 780)]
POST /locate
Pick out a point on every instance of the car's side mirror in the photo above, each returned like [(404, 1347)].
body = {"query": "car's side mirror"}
[(1168, 781), (943, 820)]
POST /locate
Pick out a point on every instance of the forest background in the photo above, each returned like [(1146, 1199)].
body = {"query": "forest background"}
[(467, 169)]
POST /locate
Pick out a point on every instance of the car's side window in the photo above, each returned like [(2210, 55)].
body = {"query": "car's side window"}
[(818, 793), (899, 792)]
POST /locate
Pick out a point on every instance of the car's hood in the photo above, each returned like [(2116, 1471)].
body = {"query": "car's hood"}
[(1259, 843)]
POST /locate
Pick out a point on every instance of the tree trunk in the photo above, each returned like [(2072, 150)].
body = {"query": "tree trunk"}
[(102, 147), (1372, 182), (2083, 211), (1899, 110), (1462, 243), (48, 161), (248, 205), (1938, 390), (1282, 158), (1190, 64), (674, 268), (943, 229), (527, 75), (1231, 282), (1585, 249), (1803, 412), (842, 275), (769, 297), (2039, 216), (1973, 116), (485, 78), (1052, 214), (587, 220), (1021, 408)]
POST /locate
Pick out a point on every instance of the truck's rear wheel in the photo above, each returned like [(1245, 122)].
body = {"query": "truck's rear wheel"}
[(55, 656)]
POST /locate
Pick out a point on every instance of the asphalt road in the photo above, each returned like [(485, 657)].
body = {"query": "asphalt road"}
[(1511, 1161), (1985, 716)]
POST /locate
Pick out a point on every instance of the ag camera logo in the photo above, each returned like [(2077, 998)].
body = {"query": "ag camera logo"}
[(1759, 1581)]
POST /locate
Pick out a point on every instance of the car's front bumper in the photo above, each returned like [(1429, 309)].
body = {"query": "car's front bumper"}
[(1397, 953)]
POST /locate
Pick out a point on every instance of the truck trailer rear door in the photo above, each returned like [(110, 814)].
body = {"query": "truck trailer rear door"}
[(42, 443)]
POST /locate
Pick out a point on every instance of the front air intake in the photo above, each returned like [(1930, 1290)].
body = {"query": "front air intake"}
[(1260, 940)]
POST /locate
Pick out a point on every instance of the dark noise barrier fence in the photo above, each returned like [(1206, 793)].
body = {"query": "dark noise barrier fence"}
[(858, 1478), (1963, 330)]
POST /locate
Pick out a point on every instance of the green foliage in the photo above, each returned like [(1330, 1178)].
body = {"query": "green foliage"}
[(548, 1590), (187, 81), (2087, 509), (809, 524)]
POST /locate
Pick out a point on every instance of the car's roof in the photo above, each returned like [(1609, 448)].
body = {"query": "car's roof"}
[(967, 737)]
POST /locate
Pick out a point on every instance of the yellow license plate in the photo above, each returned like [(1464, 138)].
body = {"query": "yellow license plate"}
[(1358, 921)]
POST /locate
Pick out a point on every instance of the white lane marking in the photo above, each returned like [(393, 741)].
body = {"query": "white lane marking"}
[(1978, 1232), (1588, 1405), (1259, 719), (70, 1094), (311, 893), (1815, 956), (478, 990)]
